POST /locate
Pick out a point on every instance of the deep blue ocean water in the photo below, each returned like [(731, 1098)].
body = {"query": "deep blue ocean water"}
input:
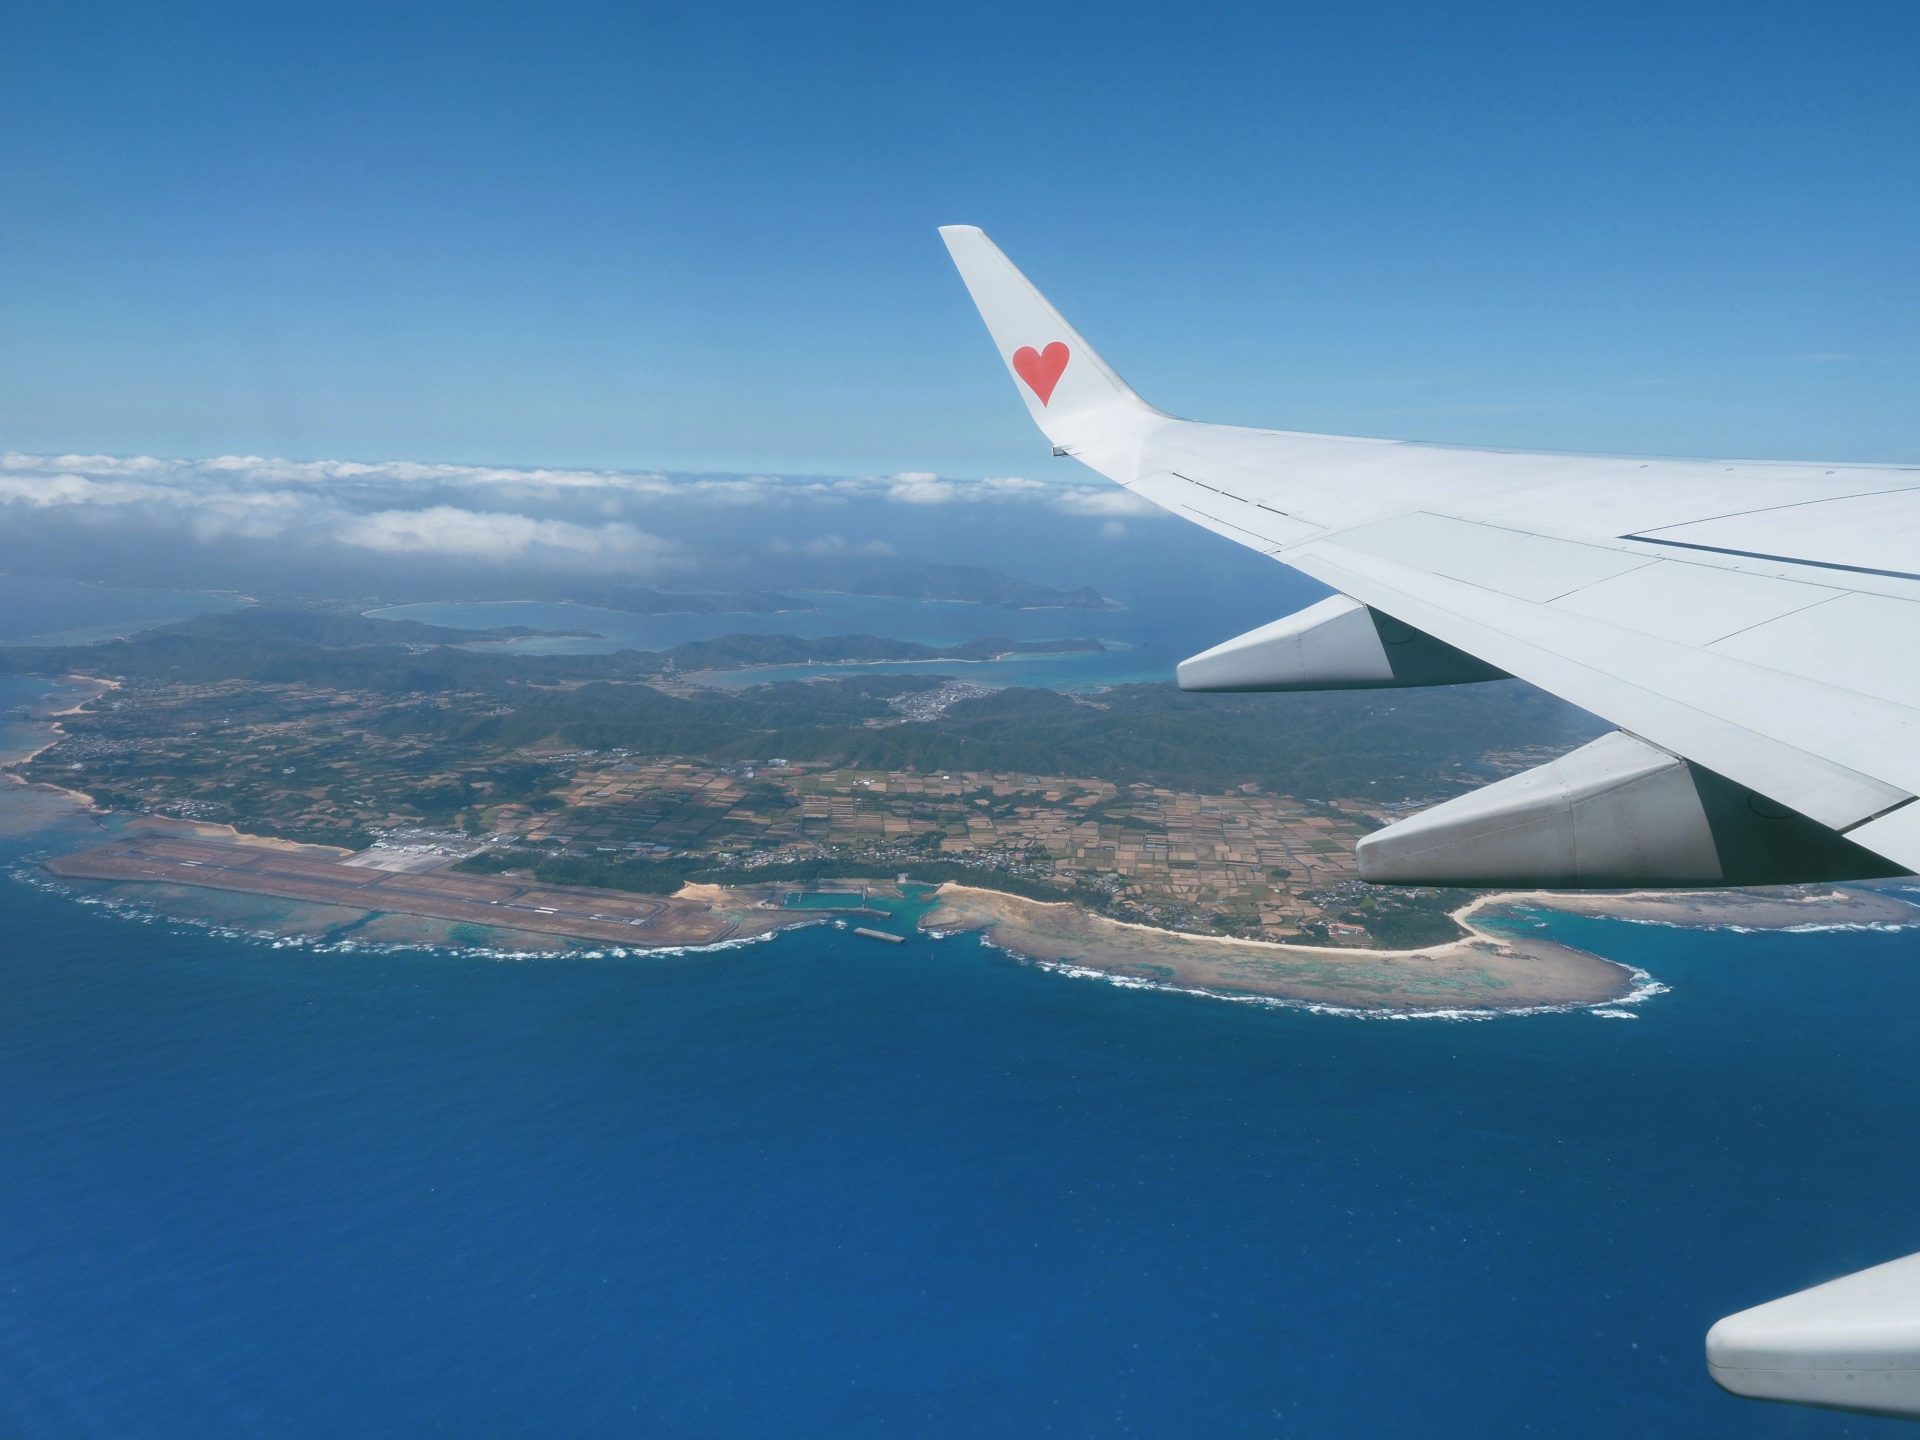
[(824, 1187)]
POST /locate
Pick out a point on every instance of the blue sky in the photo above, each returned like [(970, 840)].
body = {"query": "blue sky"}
[(701, 237)]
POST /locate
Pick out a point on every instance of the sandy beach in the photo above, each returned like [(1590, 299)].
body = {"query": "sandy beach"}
[(1487, 969), (1484, 971), (1784, 909), (54, 729), (11, 766)]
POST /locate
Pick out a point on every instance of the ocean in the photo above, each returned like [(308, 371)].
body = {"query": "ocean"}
[(823, 1187), (36, 610)]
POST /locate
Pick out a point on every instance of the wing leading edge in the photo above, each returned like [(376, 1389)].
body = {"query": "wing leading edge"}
[(1747, 625)]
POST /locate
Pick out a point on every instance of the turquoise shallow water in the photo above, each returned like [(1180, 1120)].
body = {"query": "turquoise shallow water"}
[(23, 700), (823, 899), (823, 1187)]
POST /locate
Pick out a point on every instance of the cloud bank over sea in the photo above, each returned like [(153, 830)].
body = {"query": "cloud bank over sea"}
[(635, 523)]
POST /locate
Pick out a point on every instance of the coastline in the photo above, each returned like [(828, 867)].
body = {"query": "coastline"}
[(314, 891), (1828, 907), (1484, 972), (1488, 971), (1491, 970), (10, 764), (56, 731)]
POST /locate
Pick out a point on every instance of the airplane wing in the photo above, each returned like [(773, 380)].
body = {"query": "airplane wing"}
[(1750, 627)]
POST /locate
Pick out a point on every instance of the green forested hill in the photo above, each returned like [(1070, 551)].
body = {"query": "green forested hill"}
[(1387, 743)]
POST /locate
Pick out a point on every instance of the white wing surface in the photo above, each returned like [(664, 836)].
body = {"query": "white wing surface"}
[(1757, 619)]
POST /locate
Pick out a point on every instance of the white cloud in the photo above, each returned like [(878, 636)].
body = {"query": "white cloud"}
[(484, 535), (1104, 500), (922, 490), (923, 487), (569, 516), (42, 492), (381, 484), (828, 545)]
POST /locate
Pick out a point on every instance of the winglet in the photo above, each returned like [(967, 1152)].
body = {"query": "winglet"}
[(1072, 394)]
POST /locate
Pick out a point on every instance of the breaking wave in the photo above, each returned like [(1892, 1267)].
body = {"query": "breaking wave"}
[(1645, 987)]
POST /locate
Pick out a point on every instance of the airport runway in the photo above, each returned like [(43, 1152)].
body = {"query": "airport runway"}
[(608, 915)]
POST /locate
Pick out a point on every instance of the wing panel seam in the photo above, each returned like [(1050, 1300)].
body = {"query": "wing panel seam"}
[(1788, 505), (1878, 814), (1784, 614), (1777, 559), (1267, 542)]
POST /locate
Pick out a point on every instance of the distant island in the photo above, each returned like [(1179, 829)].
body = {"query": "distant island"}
[(737, 652), (906, 578), (643, 600), (710, 586), (878, 576), (889, 577)]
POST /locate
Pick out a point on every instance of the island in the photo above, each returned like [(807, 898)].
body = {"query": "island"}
[(386, 779)]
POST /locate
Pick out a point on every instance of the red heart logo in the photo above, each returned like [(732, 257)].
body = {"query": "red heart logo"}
[(1040, 368)]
